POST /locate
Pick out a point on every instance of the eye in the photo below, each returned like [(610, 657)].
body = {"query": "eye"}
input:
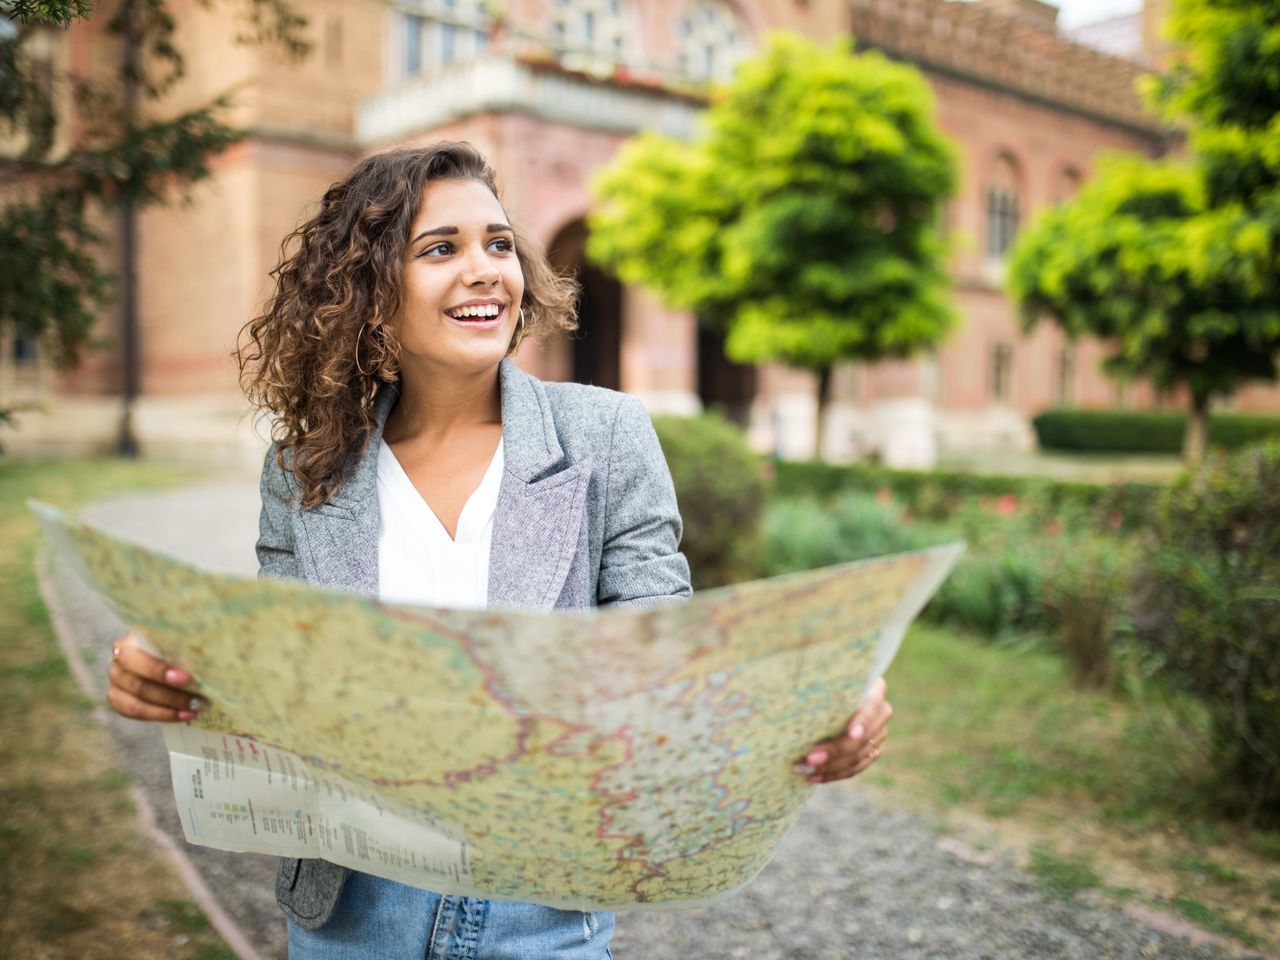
[(502, 244), (441, 249)]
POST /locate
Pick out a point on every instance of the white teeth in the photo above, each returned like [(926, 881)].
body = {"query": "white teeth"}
[(487, 310)]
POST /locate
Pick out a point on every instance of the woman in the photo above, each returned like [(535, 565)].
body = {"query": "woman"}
[(414, 461)]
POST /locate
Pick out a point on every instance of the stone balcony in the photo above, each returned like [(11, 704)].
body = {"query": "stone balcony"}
[(502, 83)]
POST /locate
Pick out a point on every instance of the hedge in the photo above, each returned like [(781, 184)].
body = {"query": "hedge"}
[(1124, 431), (935, 494)]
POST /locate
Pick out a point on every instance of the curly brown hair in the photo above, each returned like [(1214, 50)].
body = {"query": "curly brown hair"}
[(325, 344)]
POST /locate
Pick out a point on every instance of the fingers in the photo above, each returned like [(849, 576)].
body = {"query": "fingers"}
[(126, 653), (144, 687), (856, 749)]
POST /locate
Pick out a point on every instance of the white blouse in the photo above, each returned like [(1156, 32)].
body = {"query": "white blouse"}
[(418, 563)]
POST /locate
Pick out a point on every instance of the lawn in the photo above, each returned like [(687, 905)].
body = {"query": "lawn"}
[(1090, 791), (78, 878)]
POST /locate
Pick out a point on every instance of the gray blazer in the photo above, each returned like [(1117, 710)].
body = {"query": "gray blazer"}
[(586, 517)]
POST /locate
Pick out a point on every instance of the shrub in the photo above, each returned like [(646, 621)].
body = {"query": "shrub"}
[(1086, 591), (936, 495), (720, 486), (993, 592), (994, 589), (1124, 431), (801, 534), (1207, 602)]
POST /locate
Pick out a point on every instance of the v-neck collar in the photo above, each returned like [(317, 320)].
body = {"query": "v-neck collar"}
[(476, 512)]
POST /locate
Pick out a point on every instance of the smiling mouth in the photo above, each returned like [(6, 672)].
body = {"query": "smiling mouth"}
[(486, 315)]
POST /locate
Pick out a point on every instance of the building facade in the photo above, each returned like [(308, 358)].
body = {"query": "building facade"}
[(549, 90)]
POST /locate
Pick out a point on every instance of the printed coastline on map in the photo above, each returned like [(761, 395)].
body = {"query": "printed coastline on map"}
[(612, 759)]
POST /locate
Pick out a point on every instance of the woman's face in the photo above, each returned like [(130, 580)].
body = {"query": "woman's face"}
[(462, 281)]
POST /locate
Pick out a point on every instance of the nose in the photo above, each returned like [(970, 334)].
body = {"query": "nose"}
[(478, 268)]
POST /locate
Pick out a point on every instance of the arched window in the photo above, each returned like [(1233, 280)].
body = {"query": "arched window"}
[(1002, 206), (603, 27), (711, 40), (1066, 184), (441, 32)]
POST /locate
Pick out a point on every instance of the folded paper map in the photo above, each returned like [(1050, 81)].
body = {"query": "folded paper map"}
[(611, 759)]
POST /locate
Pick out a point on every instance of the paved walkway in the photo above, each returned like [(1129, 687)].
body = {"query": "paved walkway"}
[(851, 880)]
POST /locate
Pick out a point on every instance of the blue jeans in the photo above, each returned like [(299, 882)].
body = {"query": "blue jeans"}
[(381, 919)]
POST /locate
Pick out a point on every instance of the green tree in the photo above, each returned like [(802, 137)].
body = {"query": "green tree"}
[(1177, 264), (803, 221), (50, 242)]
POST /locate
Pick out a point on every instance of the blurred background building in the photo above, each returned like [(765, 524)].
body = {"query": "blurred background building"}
[(549, 90)]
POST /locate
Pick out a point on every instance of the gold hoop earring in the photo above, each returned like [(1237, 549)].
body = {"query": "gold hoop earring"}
[(360, 370), (517, 335)]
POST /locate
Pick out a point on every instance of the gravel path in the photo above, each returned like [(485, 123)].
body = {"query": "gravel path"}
[(851, 880)]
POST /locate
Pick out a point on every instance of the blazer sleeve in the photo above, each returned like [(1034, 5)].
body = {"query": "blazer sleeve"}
[(640, 563), (275, 547)]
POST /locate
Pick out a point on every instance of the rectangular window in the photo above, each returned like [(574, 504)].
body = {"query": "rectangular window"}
[(18, 350), (448, 51), (1001, 372), (26, 352), (1002, 220), (412, 25)]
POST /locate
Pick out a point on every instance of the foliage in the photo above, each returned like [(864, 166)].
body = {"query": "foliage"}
[(938, 495), (801, 534), (1086, 592), (49, 248), (1179, 264), (998, 587), (1208, 604), (1131, 259), (1133, 431), (720, 487), (803, 221)]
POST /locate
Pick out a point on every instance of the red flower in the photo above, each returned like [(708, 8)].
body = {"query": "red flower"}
[(1007, 505)]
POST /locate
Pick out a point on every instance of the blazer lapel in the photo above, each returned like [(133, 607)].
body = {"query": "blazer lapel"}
[(541, 503), (338, 540)]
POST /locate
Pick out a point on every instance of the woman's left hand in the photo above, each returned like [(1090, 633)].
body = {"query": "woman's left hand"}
[(856, 748)]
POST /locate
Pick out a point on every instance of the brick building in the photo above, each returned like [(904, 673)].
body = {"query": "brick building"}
[(549, 91)]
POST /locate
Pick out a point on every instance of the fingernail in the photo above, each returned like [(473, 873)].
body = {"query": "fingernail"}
[(176, 678), (817, 758), (856, 731), (803, 769), (198, 704), (186, 715)]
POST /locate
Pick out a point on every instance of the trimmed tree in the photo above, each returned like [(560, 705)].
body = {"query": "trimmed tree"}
[(803, 222), (1178, 265), (49, 239)]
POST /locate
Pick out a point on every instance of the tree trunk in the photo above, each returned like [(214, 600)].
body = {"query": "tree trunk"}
[(126, 439), (820, 420), (1196, 440)]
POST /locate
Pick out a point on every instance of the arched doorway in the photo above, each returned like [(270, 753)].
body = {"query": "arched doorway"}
[(722, 384), (593, 351)]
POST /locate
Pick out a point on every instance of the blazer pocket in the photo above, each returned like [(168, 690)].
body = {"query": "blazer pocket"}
[(308, 890)]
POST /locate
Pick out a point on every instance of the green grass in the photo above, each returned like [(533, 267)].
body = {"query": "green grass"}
[(1061, 876), (1002, 726), (1203, 870), (1212, 919)]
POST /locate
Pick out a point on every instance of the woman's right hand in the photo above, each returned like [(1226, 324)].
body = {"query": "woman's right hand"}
[(144, 687)]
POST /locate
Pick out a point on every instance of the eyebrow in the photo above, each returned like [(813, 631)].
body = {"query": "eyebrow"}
[(453, 231)]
